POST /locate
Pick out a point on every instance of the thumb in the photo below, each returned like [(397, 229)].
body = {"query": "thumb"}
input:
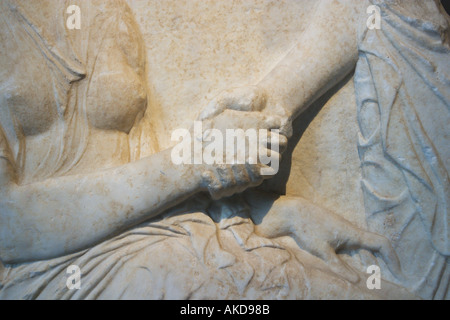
[(213, 109)]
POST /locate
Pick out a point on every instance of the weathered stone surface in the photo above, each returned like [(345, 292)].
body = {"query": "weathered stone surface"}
[(87, 171)]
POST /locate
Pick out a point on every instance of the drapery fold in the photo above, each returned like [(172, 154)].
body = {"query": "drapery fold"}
[(402, 86)]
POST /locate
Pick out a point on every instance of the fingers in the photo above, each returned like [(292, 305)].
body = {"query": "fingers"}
[(213, 109), (221, 182), (350, 237), (212, 184), (224, 180), (261, 172), (383, 246), (249, 125), (274, 141), (249, 98), (256, 120), (287, 129), (246, 176), (376, 244), (227, 180), (242, 107), (327, 253), (341, 268)]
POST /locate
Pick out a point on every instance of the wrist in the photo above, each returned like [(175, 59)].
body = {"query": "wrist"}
[(198, 172), (277, 97), (276, 107)]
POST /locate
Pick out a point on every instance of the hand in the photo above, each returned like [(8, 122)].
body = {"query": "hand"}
[(224, 178), (324, 234), (249, 99), (223, 181), (242, 108), (318, 231)]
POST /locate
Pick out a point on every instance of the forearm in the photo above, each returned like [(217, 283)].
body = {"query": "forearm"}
[(67, 214), (325, 54)]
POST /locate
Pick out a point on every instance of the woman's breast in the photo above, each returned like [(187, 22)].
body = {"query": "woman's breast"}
[(27, 91), (117, 91)]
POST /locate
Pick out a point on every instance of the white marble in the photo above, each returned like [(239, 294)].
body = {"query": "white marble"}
[(87, 176)]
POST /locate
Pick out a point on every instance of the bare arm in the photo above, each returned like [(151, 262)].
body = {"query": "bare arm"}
[(63, 215), (325, 54)]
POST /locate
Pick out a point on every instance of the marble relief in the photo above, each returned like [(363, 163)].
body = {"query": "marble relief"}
[(116, 119)]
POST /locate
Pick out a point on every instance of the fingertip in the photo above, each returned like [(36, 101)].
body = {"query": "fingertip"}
[(267, 172)]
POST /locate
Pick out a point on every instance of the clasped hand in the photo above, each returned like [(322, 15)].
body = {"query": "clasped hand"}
[(243, 109)]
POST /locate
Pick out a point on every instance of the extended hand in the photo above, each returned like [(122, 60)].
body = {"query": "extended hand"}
[(318, 231), (249, 99)]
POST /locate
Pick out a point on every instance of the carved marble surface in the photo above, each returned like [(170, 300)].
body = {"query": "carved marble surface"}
[(86, 178)]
